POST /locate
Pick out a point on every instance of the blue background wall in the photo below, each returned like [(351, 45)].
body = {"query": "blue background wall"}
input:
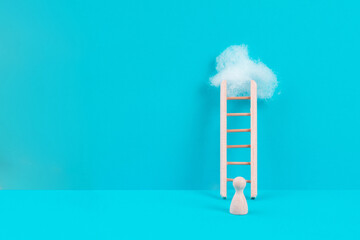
[(115, 94)]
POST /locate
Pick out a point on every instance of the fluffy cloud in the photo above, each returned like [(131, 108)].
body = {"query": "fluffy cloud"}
[(235, 66)]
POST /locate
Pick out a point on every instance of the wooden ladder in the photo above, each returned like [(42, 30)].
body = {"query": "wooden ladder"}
[(223, 138)]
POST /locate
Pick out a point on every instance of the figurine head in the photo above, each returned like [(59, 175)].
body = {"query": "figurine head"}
[(239, 183)]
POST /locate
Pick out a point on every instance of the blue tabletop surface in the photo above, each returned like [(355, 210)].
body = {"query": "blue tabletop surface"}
[(178, 215)]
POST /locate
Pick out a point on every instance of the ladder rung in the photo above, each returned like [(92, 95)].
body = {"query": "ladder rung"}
[(238, 163), (230, 180), (238, 146), (239, 130), (238, 114), (238, 98)]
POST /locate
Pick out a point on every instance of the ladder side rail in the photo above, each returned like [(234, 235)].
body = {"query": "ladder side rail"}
[(223, 139), (253, 127)]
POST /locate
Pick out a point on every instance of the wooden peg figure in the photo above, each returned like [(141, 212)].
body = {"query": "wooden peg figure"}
[(238, 203)]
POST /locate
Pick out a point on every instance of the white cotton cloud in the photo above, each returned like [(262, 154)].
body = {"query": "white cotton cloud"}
[(235, 66)]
